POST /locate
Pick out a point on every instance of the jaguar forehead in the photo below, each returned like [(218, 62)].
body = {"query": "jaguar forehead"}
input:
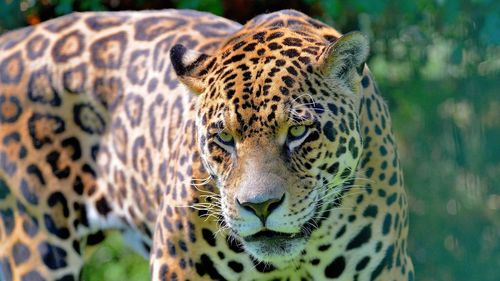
[(259, 82)]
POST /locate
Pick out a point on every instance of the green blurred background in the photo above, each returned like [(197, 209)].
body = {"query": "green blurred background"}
[(437, 64)]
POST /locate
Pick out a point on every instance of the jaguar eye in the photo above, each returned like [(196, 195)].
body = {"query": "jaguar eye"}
[(225, 138), (296, 132)]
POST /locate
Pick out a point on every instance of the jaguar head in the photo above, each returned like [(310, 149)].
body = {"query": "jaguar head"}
[(277, 124)]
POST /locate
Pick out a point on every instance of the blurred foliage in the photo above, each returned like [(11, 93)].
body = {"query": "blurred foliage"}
[(112, 261), (438, 65)]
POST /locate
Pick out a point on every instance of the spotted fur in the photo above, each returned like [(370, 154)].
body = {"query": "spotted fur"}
[(115, 121)]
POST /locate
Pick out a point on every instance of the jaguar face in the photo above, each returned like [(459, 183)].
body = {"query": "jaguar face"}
[(278, 131)]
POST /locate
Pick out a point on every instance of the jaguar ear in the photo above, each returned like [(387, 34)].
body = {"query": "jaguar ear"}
[(345, 58), (191, 67)]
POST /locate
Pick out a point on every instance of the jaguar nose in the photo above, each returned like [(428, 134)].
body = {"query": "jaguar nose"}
[(262, 209)]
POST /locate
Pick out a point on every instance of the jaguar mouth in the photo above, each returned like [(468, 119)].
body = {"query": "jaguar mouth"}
[(271, 246), (269, 235)]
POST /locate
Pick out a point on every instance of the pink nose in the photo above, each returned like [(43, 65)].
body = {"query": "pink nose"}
[(262, 209)]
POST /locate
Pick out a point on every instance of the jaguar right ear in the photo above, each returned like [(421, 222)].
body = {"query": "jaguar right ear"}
[(345, 58), (191, 67)]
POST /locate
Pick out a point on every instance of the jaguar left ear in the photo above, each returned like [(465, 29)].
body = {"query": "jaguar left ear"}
[(345, 58), (191, 67)]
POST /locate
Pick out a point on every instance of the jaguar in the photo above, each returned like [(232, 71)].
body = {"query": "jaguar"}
[(219, 151)]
